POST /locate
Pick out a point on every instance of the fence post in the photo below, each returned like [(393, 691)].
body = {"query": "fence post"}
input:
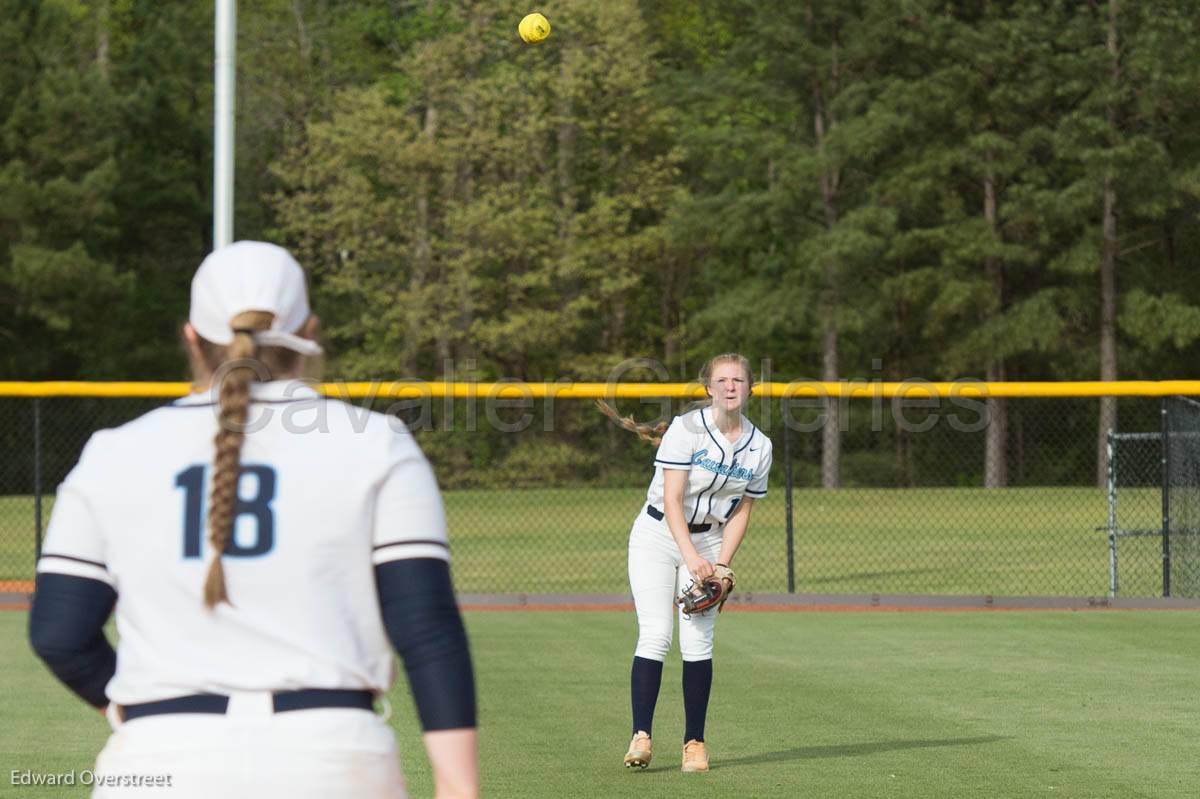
[(37, 479), (787, 493), (1111, 452), (1166, 500)]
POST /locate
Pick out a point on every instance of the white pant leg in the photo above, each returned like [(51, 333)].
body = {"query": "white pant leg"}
[(696, 633), (303, 753), (653, 565)]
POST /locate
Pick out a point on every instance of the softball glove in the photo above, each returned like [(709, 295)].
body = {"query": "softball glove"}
[(713, 591)]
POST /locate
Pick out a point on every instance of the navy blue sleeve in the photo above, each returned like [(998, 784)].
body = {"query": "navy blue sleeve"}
[(421, 615), (66, 630)]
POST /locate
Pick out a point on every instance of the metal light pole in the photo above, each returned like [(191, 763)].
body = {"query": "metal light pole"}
[(223, 107)]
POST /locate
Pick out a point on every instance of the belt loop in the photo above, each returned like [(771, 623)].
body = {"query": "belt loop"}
[(250, 703)]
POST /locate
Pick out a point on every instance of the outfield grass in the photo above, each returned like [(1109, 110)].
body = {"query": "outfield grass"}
[(917, 705), (1017, 541)]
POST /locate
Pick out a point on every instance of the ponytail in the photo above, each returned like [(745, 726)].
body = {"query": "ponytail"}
[(234, 401), (646, 432), (654, 433)]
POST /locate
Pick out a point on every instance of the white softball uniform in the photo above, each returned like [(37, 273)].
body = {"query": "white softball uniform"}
[(327, 491), (251, 752), (720, 473)]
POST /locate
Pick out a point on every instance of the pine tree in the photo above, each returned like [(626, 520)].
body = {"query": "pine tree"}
[(493, 200), (58, 139)]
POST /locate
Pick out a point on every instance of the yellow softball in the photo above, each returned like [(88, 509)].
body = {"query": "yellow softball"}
[(534, 28)]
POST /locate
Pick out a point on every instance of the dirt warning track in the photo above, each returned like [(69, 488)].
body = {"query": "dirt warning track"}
[(780, 603)]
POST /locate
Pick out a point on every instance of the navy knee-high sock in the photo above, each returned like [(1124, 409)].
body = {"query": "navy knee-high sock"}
[(697, 685), (644, 682)]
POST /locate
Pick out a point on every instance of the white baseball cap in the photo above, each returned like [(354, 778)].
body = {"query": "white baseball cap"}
[(251, 276)]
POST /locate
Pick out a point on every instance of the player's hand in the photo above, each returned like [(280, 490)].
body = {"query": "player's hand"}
[(699, 568)]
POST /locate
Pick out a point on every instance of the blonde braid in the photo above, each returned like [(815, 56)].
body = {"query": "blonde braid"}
[(234, 405), (651, 433)]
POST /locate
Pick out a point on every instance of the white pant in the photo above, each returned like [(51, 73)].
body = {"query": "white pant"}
[(657, 574), (254, 753)]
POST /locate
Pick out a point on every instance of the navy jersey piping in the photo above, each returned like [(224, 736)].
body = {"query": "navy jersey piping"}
[(442, 544), (700, 498), (713, 496), (755, 493), (77, 560)]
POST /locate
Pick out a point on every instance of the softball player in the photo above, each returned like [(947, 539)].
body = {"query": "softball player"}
[(265, 544), (711, 465)]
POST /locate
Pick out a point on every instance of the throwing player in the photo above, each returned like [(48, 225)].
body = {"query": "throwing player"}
[(265, 544), (711, 465)]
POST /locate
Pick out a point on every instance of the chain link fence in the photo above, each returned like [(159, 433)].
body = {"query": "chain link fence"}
[(1181, 502), (540, 495), (1135, 513)]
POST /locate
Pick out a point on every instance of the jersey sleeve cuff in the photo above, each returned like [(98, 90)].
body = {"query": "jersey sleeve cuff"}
[(756, 494), (416, 548), (681, 465), (51, 563)]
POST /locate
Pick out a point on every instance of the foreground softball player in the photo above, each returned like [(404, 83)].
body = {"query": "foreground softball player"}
[(250, 656), (711, 465)]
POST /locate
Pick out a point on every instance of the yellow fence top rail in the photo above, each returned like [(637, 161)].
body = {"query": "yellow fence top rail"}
[(416, 389)]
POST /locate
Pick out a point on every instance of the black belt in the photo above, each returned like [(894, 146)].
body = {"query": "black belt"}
[(283, 701), (655, 513)]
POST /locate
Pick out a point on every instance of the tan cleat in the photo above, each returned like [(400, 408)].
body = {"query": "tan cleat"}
[(638, 755), (695, 757)]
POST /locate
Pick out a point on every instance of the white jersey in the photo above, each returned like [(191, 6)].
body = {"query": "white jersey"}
[(327, 491), (720, 472)]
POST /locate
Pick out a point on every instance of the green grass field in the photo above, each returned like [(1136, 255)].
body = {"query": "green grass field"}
[(1018, 541), (916, 705)]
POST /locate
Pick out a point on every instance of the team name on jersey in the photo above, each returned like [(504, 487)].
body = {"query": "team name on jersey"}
[(732, 470)]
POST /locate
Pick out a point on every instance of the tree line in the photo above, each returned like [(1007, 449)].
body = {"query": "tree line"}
[(895, 188)]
